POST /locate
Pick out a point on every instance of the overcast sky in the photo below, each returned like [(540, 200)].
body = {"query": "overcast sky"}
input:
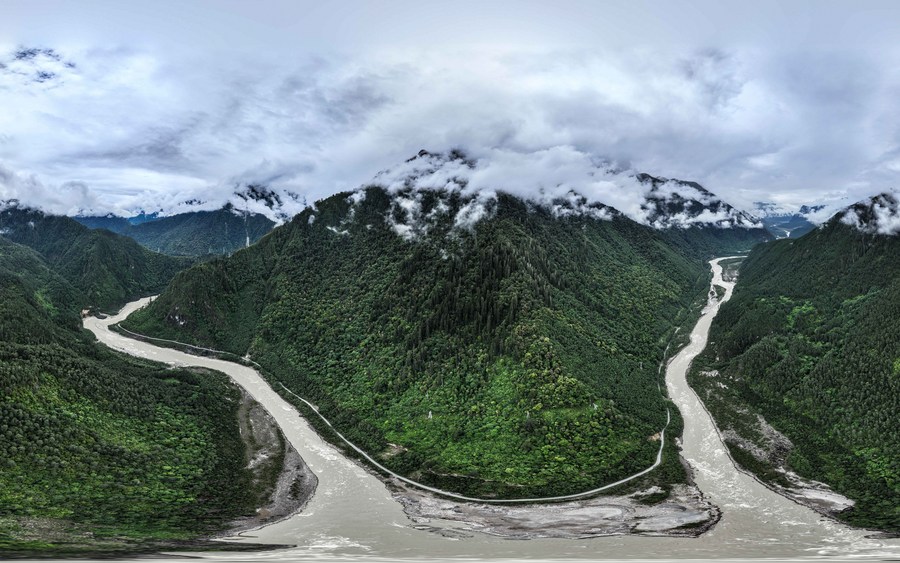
[(128, 106)]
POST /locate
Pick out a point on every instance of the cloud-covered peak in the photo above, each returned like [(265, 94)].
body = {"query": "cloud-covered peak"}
[(279, 205), (147, 127), (877, 215), (772, 209), (676, 203), (564, 180)]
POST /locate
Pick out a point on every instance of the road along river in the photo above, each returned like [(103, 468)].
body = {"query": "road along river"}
[(353, 515)]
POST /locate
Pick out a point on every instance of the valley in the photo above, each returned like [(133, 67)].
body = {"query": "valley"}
[(401, 281), (100, 453), (512, 359), (754, 519), (802, 373)]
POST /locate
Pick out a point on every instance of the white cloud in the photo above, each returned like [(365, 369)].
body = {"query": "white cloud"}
[(67, 198), (173, 110), (879, 215)]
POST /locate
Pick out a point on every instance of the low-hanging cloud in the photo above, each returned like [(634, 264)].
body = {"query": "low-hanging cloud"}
[(149, 130), (29, 191), (562, 180), (878, 215)]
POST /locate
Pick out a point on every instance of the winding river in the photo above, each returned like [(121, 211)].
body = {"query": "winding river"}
[(353, 516)]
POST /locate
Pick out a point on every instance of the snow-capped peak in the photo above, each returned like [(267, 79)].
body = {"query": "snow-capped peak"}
[(676, 203), (246, 199), (565, 181), (879, 214), (763, 209)]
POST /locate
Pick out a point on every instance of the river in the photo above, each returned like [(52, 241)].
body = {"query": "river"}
[(353, 516)]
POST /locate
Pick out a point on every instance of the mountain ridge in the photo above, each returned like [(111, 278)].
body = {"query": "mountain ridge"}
[(382, 306), (193, 233), (107, 269), (809, 343)]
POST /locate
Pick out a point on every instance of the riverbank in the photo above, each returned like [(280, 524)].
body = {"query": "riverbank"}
[(684, 514), (679, 511), (354, 515), (284, 480)]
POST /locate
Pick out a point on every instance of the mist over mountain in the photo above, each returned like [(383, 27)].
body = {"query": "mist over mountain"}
[(564, 181), (879, 214), (429, 292), (561, 270)]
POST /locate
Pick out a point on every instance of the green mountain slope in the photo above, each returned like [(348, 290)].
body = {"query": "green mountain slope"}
[(106, 268), (99, 451), (811, 342), (197, 233), (517, 358)]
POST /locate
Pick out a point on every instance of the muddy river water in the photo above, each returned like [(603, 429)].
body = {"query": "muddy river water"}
[(353, 515)]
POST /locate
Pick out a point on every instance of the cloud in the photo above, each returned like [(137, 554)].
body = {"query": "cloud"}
[(563, 180), (878, 215), (64, 199), (172, 117)]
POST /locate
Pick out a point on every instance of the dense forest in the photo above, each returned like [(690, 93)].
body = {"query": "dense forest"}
[(197, 233), (106, 268), (99, 451), (518, 357), (811, 342)]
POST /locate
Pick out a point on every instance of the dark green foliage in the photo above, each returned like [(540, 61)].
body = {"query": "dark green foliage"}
[(101, 440), (93, 442), (197, 233), (532, 341), (105, 268), (811, 341)]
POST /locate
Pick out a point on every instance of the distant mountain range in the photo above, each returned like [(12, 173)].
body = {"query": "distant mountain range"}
[(785, 222), (105, 268), (194, 233)]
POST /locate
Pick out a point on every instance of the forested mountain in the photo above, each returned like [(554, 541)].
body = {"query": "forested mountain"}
[(489, 345), (810, 341), (107, 269), (195, 233), (99, 451)]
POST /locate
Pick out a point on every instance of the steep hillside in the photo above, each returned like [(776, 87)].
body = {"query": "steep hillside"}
[(810, 341), (106, 268), (486, 345), (195, 233), (100, 452)]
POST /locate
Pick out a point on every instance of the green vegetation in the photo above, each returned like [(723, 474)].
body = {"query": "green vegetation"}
[(517, 359), (810, 341), (107, 269), (98, 451), (198, 233)]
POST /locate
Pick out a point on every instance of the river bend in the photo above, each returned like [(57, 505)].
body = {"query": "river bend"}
[(353, 516)]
